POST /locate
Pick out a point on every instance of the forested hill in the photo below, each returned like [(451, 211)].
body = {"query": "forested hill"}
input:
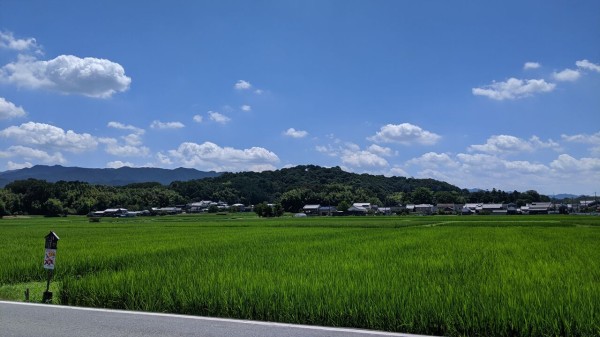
[(292, 188), (106, 176), (308, 183)]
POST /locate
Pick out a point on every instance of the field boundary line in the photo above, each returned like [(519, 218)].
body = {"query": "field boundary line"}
[(218, 319)]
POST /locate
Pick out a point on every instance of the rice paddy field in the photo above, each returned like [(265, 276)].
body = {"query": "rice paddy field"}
[(438, 275)]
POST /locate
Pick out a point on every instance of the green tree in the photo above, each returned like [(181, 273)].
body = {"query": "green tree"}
[(52, 207), (294, 199), (395, 199), (3, 210), (422, 195), (343, 206), (278, 210)]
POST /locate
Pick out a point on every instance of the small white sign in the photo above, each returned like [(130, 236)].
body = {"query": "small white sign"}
[(49, 259)]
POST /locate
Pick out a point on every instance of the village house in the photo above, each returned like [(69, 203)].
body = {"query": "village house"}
[(311, 209)]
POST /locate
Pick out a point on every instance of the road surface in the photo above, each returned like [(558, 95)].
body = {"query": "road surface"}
[(18, 319)]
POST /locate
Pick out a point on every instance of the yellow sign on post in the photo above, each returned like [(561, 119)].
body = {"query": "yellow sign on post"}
[(50, 258)]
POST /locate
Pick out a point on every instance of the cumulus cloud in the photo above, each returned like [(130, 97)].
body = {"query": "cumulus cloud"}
[(218, 117), (131, 148), (210, 156), (526, 167), (246, 108), (118, 164), (166, 125), (404, 134), (352, 155), (163, 159), (121, 126), (569, 75), (242, 85), (504, 144), (362, 159), (8, 41), (133, 139), (17, 166), (197, 118), (326, 150), (31, 154), (593, 139), (49, 136), (531, 65), (68, 74), (434, 160), (291, 132), (565, 162), (397, 172), (587, 65), (10, 110), (583, 138), (380, 150), (514, 88)]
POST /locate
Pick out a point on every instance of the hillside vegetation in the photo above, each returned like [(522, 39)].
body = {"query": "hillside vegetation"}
[(291, 187)]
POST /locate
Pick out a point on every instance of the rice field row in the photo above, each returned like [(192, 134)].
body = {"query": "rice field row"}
[(453, 276)]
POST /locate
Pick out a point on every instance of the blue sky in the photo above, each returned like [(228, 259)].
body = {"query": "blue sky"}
[(479, 94)]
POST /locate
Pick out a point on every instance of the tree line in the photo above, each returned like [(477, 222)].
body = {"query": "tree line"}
[(289, 188)]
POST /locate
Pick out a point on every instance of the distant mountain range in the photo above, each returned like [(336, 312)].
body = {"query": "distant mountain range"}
[(107, 176)]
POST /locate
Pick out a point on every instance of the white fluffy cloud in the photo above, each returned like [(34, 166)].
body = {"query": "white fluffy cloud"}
[(352, 155), (531, 65), (362, 159), (31, 154), (505, 144), (68, 74), (210, 156), (525, 167), (246, 108), (593, 139), (585, 64), (49, 136), (166, 125), (434, 160), (131, 148), (565, 162), (380, 150), (291, 132), (10, 110), (569, 75), (117, 164), (198, 118), (8, 41), (121, 126), (17, 166), (514, 88), (218, 117), (242, 85), (404, 134), (565, 174)]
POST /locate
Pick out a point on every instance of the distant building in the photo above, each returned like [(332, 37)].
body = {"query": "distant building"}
[(327, 210), (357, 210), (539, 207), (311, 209)]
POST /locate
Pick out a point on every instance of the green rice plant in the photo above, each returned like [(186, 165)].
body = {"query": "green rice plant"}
[(440, 275)]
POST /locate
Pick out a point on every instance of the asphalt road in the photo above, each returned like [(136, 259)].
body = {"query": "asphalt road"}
[(19, 319)]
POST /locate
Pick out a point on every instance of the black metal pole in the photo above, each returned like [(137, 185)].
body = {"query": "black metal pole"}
[(48, 281), (47, 298)]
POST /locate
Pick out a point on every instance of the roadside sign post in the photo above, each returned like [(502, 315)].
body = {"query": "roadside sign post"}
[(49, 259)]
